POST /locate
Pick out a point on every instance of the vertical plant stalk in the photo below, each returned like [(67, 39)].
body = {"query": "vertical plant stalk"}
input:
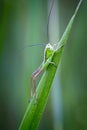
[(34, 112)]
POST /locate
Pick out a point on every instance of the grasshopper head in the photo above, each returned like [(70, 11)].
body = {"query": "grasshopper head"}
[(49, 47)]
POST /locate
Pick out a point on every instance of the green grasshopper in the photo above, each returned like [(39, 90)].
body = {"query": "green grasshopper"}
[(48, 54)]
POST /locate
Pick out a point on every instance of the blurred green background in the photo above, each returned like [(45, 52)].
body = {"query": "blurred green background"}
[(22, 23)]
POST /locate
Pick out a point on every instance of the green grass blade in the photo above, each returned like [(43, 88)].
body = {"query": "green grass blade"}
[(33, 113)]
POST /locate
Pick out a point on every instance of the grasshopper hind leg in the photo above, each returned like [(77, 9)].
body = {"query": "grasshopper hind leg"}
[(35, 74)]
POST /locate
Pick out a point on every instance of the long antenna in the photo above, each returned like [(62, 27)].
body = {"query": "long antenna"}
[(49, 19), (31, 45)]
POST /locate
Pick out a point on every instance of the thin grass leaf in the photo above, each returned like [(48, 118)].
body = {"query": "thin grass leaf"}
[(33, 113)]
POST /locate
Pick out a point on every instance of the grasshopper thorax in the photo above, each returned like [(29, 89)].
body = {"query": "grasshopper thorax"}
[(48, 51)]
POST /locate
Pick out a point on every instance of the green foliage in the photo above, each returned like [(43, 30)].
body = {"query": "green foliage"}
[(34, 112)]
